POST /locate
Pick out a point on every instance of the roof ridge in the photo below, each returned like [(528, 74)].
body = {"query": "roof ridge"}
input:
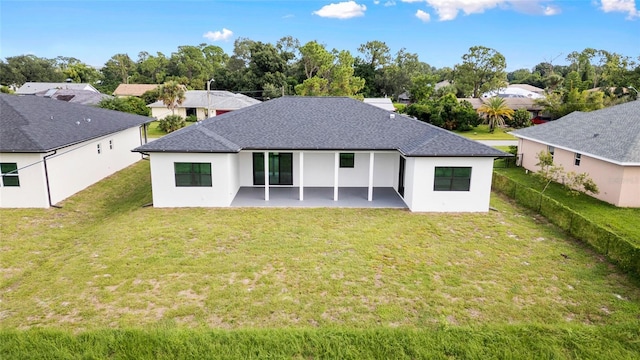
[(230, 144)]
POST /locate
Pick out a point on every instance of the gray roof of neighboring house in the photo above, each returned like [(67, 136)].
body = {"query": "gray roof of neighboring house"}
[(611, 133), (220, 100), (528, 87), (30, 88), (84, 97), (36, 124), (382, 103), (317, 123)]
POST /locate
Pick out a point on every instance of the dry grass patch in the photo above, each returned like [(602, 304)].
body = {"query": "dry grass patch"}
[(104, 261)]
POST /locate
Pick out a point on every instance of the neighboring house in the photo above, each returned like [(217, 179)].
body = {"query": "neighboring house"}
[(604, 144), (31, 88), (404, 98), (329, 143), (382, 103), (125, 90), (513, 103), (84, 97), (516, 91), (51, 149), (202, 105), (527, 87)]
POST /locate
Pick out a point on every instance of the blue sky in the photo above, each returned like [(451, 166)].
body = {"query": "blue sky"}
[(526, 32)]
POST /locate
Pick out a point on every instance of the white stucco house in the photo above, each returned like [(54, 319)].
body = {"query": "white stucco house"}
[(204, 104), (604, 143), (330, 143), (51, 149)]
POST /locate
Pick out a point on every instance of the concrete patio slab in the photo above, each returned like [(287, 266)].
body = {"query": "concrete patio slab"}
[(318, 197)]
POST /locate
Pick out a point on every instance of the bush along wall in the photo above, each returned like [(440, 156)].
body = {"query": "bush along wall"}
[(616, 248)]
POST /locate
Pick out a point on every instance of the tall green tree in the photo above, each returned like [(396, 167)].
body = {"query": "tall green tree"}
[(130, 104), (482, 70), (116, 71), (17, 70), (171, 94), (495, 111)]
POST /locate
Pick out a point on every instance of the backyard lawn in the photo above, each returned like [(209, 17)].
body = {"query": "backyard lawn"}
[(481, 132), (105, 276)]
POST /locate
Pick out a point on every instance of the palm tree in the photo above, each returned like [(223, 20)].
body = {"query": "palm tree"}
[(495, 110), (172, 94)]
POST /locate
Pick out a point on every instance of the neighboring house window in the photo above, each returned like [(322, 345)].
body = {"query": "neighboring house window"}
[(576, 159), (551, 150), (452, 179), (9, 174), (192, 174), (99, 148), (347, 160), (110, 144), (192, 112)]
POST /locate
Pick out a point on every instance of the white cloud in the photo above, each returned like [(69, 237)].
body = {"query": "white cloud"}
[(533, 7), (390, 3), (424, 16), (449, 9), (343, 10), (225, 34), (376, 2), (628, 6)]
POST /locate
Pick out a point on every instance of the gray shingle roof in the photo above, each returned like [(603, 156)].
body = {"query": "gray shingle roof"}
[(612, 133), (30, 88), (317, 123), (220, 100), (36, 124)]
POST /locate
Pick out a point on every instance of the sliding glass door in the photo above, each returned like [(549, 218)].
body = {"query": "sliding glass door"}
[(280, 168)]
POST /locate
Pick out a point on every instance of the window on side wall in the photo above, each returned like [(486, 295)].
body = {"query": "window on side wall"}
[(192, 174), (347, 160), (576, 159), (551, 150), (99, 148), (110, 144), (9, 174), (452, 179)]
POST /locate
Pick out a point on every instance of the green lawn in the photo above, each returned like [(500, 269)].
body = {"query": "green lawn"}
[(481, 132), (624, 221), (108, 274), (154, 132)]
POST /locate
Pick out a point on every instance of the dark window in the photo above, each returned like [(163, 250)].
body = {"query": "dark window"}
[(9, 174), (551, 150), (576, 159), (347, 160), (110, 144), (99, 148), (193, 174), (192, 112), (452, 179)]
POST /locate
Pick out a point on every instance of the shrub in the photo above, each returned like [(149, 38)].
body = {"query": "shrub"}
[(191, 118), (171, 123)]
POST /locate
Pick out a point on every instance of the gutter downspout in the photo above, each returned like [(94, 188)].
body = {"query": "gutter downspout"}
[(46, 177)]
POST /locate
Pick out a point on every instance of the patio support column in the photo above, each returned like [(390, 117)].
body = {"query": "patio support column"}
[(336, 167), (266, 176), (370, 193), (301, 175)]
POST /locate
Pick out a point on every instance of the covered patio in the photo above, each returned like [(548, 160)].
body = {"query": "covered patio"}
[(348, 197)]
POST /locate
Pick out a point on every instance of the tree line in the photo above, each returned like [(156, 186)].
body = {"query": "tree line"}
[(266, 70)]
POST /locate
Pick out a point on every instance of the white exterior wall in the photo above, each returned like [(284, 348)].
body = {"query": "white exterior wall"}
[(419, 194), (74, 168), (162, 112), (70, 169), (32, 192), (319, 169), (224, 179)]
